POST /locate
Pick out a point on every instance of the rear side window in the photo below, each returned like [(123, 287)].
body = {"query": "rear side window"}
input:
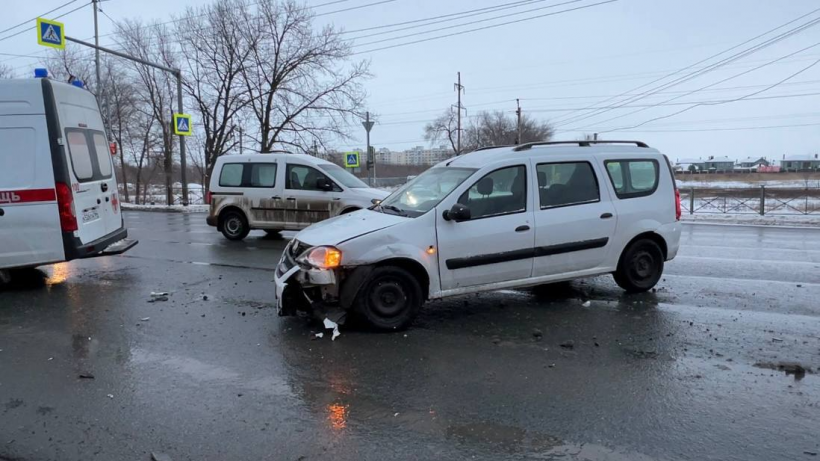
[(564, 184), (263, 174), (80, 155), (231, 175), (633, 178), (500, 192), (103, 154)]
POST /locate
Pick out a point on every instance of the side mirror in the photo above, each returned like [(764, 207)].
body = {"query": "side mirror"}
[(457, 213), (324, 184), (375, 201)]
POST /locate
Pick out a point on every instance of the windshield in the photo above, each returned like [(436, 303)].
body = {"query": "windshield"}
[(343, 176), (425, 192)]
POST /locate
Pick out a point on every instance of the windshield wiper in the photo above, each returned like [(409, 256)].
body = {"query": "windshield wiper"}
[(394, 209)]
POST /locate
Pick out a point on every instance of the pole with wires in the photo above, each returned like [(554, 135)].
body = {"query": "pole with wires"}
[(459, 89), (518, 121), (97, 53)]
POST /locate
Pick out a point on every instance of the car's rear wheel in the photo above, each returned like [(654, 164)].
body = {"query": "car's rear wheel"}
[(390, 299), (640, 267), (234, 225)]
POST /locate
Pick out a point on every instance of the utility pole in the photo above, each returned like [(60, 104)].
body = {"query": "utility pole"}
[(97, 55), (459, 89), (595, 136), (241, 136), (518, 121), (315, 149), (371, 161), (176, 73)]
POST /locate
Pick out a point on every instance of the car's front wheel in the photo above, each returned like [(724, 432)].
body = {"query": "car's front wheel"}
[(640, 267), (234, 225), (390, 299)]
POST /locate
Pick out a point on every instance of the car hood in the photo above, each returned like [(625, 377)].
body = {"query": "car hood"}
[(370, 193), (345, 227)]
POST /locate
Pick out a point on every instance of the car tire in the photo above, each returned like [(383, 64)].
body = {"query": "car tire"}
[(640, 267), (390, 299), (234, 225)]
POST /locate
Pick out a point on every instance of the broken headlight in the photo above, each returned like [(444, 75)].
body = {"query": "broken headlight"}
[(325, 257)]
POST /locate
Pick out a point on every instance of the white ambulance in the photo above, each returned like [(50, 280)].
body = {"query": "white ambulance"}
[(58, 191)]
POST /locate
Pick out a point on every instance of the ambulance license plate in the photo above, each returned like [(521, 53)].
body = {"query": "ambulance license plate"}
[(90, 215)]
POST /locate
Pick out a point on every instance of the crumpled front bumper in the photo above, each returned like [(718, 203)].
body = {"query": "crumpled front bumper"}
[(293, 282)]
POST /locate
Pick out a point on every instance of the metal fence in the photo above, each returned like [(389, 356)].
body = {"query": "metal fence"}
[(761, 201), (155, 195)]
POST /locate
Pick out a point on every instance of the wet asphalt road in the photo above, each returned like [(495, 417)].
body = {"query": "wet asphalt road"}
[(679, 374)]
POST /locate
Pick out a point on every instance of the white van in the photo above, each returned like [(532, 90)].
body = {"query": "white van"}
[(496, 218), (277, 192), (58, 192)]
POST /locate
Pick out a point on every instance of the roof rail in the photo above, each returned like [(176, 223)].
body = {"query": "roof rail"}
[(490, 147), (530, 145)]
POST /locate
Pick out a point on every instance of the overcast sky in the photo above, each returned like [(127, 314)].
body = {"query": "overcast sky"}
[(557, 66)]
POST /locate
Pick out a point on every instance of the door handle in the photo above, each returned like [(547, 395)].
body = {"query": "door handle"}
[(276, 197), (606, 215), (337, 198), (291, 198), (104, 187), (522, 228)]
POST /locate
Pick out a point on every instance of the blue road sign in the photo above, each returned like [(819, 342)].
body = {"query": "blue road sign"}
[(352, 159), (182, 125), (51, 33)]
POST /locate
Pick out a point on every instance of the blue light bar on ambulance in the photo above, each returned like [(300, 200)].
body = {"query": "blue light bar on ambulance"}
[(78, 83), (40, 73)]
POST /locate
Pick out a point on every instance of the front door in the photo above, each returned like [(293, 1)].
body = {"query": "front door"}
[(306, 203), (496, 243), (574, 226)]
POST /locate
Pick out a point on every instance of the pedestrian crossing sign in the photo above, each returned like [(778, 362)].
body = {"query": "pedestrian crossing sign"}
[(352, 159), (182, 125), (50, 33)]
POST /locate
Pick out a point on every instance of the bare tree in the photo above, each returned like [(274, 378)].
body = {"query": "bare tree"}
[(141, 140), (6, 71), (499, 129), (299, 80), (216, 52), (156, 87), (121, 105), (72, 63), (445, 126)]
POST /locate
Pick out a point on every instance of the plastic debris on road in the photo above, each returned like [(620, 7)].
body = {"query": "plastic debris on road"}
[(156, 456), (331, 325), (157, 296), (320, 335), (586, 304), (145, 319)]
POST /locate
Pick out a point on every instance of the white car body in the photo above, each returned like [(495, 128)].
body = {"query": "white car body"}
[(536, 245), (280, 201), (58, 190)]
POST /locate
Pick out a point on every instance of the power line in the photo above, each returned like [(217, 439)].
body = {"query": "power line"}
[(36, 17), (694, 74), (461, 15), (721, 81), (745, 128), (482, 28), (355, 7), (57, 17), (461, 25)]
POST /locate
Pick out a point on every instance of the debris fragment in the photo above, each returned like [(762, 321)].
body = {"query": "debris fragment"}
[(777, 340), (319, 335), (145, 319), (156, 456), (86, 376), (158, 296), (395, 414), (496, 340), (204, 297), (586, 304), (810, 453), (331, 325), (790, 368), (50, 359), (568, 344), (537, 333), (110, 396)]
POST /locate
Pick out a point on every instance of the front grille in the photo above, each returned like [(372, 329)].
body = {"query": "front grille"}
[(296, 248)]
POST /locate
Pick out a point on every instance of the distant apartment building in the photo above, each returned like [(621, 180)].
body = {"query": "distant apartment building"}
[(800, 163)]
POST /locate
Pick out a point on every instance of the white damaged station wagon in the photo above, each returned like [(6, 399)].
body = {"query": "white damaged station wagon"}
[(496, 218)]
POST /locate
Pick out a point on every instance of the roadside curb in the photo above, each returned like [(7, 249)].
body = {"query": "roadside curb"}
[(801, 221)]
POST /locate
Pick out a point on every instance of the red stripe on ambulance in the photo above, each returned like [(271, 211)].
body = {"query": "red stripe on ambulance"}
[(27, 196)]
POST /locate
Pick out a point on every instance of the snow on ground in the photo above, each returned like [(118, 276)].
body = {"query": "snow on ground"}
[(792, 184), (174, 208)]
